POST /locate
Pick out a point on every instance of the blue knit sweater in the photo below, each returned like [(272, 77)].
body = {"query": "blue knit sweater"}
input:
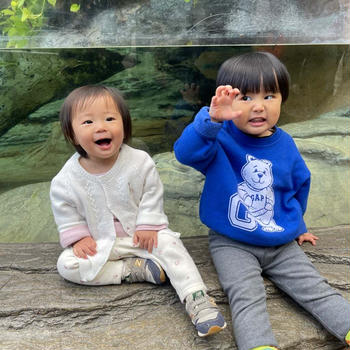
[(256, 189)]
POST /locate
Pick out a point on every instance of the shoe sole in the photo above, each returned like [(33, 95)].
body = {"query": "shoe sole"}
[(213, 330), (162, 276)]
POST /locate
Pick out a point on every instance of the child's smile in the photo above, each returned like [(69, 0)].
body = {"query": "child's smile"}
[(104, 143)]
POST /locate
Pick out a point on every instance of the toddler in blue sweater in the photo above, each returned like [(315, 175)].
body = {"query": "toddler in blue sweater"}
[(254, 198)]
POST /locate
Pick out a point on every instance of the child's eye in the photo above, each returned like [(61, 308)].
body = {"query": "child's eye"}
[(109, 119), (269, 97), (246, 98), (87, 122)]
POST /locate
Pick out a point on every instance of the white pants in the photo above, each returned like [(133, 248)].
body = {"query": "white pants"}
[(170, 254)]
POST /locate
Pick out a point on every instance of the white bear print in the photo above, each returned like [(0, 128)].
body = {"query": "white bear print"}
[(256, 195)]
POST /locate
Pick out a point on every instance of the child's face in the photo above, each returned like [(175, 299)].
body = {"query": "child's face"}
[(98, 129), (260, 112)]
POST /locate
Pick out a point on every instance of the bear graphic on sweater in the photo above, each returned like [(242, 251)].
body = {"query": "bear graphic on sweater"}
[(256, 195)]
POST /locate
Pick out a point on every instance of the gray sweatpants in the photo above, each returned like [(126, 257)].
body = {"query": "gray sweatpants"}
[(240, 267)]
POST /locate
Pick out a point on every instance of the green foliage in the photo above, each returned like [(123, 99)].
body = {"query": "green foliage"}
[(25, 18), (194, 2), (75, 7)]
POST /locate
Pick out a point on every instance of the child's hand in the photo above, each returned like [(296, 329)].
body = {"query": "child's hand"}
[(86, 246), (307, 237), (221, 107), (146, 239)]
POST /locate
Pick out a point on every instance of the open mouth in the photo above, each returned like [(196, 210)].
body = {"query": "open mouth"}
[(257, 120), (103, 142)]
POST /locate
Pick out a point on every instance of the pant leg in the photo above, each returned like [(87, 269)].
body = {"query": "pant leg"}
[(292, 271), (174, 259), (239, 273), (68, 268)]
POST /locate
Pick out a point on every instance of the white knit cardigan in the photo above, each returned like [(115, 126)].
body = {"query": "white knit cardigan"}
[(131, 191)]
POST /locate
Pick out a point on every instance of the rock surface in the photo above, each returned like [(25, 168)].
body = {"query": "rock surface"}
[(29, 79), (39, 310)]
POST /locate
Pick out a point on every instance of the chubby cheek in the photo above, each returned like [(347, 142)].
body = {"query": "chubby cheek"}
[(240, 122)]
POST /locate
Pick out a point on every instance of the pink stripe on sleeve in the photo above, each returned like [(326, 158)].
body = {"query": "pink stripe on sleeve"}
[(151, 227), (74, 234)]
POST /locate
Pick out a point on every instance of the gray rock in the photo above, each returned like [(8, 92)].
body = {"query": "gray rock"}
[(41, 311), (324, 145), (29, 79)]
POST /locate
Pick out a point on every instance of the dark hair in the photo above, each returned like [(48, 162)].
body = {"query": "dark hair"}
[(251, 71), (81, 96)]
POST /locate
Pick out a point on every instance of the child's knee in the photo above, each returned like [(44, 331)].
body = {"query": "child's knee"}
[(66, 264), (166, 237)]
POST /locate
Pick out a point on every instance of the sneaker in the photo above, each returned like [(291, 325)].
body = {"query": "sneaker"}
[(204, 314), (141, 270)]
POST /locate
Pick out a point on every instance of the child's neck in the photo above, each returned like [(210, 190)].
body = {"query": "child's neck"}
[(97, 167)]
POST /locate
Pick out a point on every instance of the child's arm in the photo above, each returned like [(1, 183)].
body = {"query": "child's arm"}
[(150, 218), (307, 237), (302, 180), (197, 146), (72, 228)]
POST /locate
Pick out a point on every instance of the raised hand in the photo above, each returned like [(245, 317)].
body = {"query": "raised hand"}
[(221, 107), (146, 239), (86, 246)]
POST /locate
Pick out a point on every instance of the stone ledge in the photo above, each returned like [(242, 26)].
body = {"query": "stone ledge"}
[(39, 310)]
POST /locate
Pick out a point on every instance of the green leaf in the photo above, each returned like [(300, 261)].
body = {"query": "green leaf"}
[(25, 14), (74, 7), (52, 2), (7, 12)]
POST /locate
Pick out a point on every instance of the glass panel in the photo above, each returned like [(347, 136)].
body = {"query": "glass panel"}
[(102, 23), (164, 88)]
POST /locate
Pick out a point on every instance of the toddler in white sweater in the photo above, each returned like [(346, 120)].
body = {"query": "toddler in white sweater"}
[(107, 201)]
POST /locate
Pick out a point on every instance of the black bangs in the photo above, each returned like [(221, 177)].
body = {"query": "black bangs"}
[(250, 72)]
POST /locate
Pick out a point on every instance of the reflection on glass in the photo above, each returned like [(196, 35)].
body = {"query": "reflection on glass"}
[(102, 23)]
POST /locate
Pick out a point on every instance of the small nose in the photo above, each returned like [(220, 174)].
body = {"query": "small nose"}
[(100, 126), (258, 106)]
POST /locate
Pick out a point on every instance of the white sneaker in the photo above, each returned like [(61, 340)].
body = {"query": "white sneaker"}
[(204, 314)]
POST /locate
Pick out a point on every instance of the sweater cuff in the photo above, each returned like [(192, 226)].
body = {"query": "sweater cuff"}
[(204, 126), (151, 227), (302, 228), (73, 234)]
